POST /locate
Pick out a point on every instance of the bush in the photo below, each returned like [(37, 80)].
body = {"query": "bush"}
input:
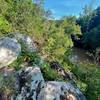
[(32, 58), (88, 80)]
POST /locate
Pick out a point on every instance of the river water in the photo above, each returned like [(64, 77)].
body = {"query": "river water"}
[(80, 56)]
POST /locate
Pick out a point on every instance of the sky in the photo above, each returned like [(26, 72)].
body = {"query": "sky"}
[(62, 8)]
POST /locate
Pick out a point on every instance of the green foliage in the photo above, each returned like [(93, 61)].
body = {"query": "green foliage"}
[(57, 41), (56, 46), (92, 38), (25, 56), (90, 26), (21, 16), (69, 25), (50, 74), (88, 80), (5, 27), (85, 18), (88, 76)]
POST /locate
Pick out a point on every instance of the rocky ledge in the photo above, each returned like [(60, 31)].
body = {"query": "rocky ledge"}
[(32, 86)]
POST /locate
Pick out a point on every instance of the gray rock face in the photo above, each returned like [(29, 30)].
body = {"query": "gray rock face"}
[(31, 83), (9, 51), (33, 87), (26, 40), (60, 91)]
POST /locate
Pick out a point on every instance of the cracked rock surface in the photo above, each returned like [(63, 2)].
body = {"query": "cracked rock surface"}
[(32, 86)]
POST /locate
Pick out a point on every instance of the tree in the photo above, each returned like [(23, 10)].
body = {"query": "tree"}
[(23, 16), (95, 21), (85, 17), (69, 25)]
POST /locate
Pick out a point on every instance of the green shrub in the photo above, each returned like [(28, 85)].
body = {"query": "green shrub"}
[(31, 58), (50, 74), (88, 80)]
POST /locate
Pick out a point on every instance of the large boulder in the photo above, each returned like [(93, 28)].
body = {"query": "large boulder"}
[(9, 51), (31, 82), (60, 91)]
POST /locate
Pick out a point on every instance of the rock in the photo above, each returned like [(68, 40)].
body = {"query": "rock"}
[(60, 91), (31, 83), (26, 40), (9, 51), (7, 80), (31, 86)]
